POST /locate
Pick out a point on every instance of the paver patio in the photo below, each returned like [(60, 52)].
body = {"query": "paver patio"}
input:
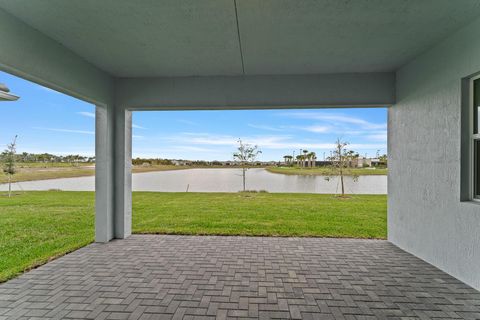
[(205, 277)]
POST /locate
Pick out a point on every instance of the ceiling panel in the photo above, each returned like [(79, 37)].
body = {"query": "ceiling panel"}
[(141, 38), (150, 38), (331, 36)]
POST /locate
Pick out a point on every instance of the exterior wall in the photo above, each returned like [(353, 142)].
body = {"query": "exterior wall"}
[(426, 216)]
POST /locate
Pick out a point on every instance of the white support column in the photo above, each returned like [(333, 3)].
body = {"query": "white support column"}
[(113, 179), (123, 173), (104, 174)]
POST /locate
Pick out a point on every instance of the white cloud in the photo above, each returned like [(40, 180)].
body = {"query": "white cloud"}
[(262, 141), (87, 114), (136, 126), (380, 136), (65, 130), (316, 129), (312, 128), (335, 119)]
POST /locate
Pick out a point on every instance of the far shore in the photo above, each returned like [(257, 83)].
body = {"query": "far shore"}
[(325, 171), (46, 171)]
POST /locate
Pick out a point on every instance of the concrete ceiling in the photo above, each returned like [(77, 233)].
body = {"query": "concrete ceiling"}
[(150, 38)]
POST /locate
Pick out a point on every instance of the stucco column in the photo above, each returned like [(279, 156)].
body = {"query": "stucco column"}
[(113, 182), (123, 173), (104, 173)]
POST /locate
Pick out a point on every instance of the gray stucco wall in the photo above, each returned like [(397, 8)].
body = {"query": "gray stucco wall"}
[(425, 215)]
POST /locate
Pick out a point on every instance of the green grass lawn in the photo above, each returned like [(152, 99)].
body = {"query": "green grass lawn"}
[(261, 214), (38, 226), (325, 171)]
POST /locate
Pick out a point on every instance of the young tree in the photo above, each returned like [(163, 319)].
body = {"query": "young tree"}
[(246, 154), (9, 163), (340, 159)]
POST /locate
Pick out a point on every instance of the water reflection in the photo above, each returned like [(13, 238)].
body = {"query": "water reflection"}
[(220, 180)]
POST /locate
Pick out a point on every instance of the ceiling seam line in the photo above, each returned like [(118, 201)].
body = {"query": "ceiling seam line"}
[(239, 38)]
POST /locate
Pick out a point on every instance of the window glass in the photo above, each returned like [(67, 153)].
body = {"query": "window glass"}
[(476, 168), (476, 106)]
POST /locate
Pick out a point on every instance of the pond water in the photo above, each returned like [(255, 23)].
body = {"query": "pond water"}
[(219, 180)]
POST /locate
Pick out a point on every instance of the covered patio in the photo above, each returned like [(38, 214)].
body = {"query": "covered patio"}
[(205, 277), (420, 58)]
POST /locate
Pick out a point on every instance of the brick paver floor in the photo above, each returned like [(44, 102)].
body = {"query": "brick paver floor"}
[(200, 277)]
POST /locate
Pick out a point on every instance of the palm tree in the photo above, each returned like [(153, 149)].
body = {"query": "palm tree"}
[(305, 157), (299, 159), (288, 159), (311, 157)]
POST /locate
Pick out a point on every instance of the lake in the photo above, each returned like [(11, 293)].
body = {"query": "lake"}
[(219, 180)]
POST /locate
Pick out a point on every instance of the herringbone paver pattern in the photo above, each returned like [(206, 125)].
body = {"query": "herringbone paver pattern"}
[(185, 277)]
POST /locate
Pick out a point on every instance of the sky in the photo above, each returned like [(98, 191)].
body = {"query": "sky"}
[(49, 121)]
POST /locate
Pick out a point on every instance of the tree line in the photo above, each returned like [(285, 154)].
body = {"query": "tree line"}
[(27, 157)]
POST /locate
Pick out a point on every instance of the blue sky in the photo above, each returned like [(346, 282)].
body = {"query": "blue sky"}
[(48, 121)]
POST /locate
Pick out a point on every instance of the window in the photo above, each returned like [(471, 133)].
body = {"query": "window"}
[(475, 141), (470, 139)]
